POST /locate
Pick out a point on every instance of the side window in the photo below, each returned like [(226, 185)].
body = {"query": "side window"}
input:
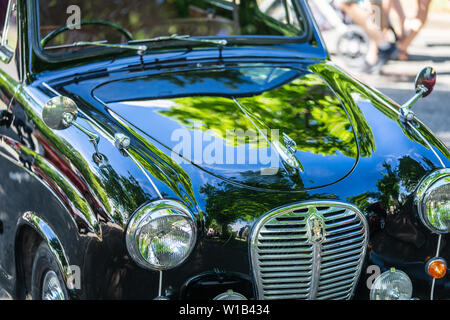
[(9, 33), (3, 10)]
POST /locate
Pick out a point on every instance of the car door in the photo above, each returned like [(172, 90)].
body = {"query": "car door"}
[(9, 172)]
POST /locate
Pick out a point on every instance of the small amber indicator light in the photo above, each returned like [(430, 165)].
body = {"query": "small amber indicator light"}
[(437, 268)]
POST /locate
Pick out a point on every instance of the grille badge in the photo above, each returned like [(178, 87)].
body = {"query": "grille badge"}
[(317, 232), (316, 228)]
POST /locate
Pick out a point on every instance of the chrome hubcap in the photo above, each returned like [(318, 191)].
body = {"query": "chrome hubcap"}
[(51, 287)]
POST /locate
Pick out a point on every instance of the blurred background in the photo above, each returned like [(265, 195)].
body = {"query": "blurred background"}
[(347, 44)]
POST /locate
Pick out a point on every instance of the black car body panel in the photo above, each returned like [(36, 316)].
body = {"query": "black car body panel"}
[(351, 147)]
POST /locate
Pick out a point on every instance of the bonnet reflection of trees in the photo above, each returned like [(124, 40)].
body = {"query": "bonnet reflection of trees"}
[(214, 113), (389, 187), (398, 181), (228, 203), (344, 87), (309, 113), (126, 192), (162, 167), (305, 109)]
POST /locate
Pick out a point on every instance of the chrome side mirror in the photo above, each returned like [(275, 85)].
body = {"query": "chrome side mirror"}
[(59, 113), (424, 84), (425, 81)]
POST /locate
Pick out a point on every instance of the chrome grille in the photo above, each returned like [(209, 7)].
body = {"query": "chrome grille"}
[(308, 251)]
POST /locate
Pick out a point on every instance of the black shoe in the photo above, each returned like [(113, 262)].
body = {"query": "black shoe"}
[(384, 55)]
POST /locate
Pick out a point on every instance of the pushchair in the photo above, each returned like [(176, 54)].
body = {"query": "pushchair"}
[(352, 42)]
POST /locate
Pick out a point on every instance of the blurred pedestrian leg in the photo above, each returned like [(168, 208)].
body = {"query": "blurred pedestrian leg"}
[(395, 5), (414, 26)]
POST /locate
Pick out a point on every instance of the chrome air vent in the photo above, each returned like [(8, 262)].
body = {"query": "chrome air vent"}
[(311, 250)]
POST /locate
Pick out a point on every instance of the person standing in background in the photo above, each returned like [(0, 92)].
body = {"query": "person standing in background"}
[(413, 27)]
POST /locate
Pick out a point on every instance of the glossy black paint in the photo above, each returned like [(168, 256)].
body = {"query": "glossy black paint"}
[(87, 204)]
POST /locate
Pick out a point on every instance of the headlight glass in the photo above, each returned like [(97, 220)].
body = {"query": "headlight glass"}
[(436, 206), (433, 201), (391, 285), (165, 240), (161, 235)]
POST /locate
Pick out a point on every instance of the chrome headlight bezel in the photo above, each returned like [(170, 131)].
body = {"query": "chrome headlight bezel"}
[(429, 184), (154, 210), (390, 288)]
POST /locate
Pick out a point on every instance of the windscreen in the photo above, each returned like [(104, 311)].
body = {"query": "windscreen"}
[(119, 20)]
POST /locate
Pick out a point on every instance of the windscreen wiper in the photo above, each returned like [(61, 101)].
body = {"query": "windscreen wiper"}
[(139, 48), (219, 42)]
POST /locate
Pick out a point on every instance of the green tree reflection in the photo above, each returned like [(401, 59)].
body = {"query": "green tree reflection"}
[(305, 109), (229, 203), (398, 180)]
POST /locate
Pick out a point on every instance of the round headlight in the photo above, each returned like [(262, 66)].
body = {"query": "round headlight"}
[(433, 201), (391, 285), (230, 295), (161, 235)]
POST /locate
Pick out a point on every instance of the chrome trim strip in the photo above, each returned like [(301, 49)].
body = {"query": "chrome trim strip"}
[(438, 245), (47, 86), (152, 210), (438, 249), (316, 271), (426, 185), (397, 111), (160, 283), (428, 144), (318, 254), (145, 173), (49, 236), (113, 140), (432, 289)]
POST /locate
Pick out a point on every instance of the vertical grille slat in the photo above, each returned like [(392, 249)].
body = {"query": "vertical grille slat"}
[(312, 250)]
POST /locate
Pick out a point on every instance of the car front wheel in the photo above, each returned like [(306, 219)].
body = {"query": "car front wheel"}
[(46, 280)]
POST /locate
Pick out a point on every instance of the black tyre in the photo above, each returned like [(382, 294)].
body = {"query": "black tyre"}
[(46, 279)]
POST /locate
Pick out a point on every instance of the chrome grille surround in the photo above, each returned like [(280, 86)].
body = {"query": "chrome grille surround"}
[(309, 250)]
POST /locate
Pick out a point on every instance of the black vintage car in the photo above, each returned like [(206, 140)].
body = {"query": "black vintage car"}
[(207, 149)]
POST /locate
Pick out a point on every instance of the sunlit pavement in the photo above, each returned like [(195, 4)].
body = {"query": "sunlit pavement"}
[(430, 48)]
